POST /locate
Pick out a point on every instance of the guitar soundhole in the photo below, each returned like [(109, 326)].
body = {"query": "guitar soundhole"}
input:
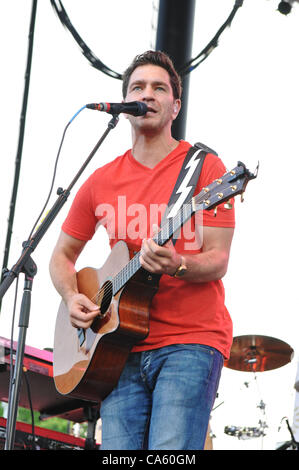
[(103, 299), (106, 297)]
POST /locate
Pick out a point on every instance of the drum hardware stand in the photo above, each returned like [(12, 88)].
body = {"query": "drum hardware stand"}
[(250, 432), (262, 422), (26, 265)]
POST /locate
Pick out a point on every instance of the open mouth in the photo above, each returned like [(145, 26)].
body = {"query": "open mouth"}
[(151, 110)]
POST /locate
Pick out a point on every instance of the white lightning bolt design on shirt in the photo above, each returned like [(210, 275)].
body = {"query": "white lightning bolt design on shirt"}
[(184, 189)]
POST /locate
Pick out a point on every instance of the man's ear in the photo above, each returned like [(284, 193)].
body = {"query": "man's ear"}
[(176, 107)]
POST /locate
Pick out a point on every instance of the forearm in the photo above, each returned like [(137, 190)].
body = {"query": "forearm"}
[(206, 266), (63, 275), (81, 309)]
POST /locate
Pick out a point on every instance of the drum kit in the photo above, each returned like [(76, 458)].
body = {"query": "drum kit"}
[(256, 353)]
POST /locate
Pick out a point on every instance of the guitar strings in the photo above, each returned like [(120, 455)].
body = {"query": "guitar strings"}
[(106, 291)]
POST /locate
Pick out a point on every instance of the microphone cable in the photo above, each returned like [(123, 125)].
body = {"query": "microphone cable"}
[(54, 171)]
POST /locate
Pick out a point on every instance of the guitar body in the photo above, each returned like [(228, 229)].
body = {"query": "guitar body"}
[(90, 369)]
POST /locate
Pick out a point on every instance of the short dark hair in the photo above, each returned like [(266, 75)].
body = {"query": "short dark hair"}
[(154, 58)]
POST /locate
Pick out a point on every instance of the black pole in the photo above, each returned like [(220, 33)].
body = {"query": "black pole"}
[(12, 205), (174, 37)]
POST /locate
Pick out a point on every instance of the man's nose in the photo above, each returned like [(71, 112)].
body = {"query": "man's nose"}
[(148, 93)]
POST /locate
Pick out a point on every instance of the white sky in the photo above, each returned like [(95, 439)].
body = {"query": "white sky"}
[(243, 102)]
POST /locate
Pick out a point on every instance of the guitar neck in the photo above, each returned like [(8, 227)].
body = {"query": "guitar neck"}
[(167, 231)]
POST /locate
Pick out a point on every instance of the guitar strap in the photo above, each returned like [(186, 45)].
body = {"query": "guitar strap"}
[(185, 186), (187, 180)]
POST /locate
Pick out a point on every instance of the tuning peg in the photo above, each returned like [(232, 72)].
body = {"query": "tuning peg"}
[(242, 197), (228, 205), (215, 211)]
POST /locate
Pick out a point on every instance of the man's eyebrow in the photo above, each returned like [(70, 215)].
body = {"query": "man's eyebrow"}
[(161, 82), (155, 83), (137, 82)]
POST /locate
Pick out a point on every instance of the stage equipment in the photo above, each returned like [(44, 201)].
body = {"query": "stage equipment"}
[(285, 7), (256, 353), (244, 432), (38, 392), (27, 266), (43, 439), (18, 160)]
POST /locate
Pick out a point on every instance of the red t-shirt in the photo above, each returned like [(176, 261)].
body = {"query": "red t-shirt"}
[(127, 198)]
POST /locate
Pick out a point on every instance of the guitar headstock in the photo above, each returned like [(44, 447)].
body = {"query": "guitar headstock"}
[(232, 183)]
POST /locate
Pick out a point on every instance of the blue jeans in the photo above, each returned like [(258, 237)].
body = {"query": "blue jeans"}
[(163, 399)]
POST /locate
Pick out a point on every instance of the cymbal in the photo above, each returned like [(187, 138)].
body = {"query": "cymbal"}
[(256, 353)]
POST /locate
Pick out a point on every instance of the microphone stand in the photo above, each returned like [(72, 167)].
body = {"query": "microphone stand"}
[(26, 265)]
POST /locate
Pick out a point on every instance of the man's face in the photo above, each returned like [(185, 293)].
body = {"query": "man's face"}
[(151, 84)]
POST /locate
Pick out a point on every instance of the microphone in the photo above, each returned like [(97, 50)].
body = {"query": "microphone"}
[(136, 108)]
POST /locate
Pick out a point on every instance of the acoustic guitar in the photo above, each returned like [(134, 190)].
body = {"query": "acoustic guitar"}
[(87, 363)]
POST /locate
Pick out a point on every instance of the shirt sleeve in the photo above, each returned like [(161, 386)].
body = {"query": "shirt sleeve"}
[(81, 220)]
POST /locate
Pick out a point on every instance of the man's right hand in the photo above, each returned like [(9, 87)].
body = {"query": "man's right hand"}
[(82, 310)]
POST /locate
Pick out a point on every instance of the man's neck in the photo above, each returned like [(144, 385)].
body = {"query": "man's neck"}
[(150, 150)]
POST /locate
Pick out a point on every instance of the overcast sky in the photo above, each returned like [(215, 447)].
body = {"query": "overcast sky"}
[(243, 102)]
